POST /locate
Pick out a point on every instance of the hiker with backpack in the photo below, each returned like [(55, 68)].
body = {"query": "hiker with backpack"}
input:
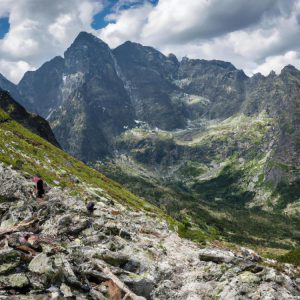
[(39, 188)]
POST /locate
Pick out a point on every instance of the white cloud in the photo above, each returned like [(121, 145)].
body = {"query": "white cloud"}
[(174, 22), (41, 29), (14, 69), (276, 63), (127, 27), (241, 31), (253, 35)]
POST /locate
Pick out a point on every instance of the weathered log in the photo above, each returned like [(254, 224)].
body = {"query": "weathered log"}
[(121, 285), (19, 227), (27, 249)]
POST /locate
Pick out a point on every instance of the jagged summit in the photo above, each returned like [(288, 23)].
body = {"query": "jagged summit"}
[(173, 58), (140, 53), (86, 52), (290, 69), (88, 39)]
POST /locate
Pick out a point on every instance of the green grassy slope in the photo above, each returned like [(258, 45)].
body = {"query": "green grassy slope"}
[(215, 175)]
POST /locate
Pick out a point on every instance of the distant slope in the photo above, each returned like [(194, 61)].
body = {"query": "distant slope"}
[(13, 90), (31, 121)]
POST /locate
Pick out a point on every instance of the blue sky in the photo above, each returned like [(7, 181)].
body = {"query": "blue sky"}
[(4, 26), (111, 6)]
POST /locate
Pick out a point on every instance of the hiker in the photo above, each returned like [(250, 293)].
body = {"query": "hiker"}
[(90, 207), (39, 189)]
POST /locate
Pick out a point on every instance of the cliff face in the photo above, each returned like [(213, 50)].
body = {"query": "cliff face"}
[(148, 76), (82, 97), (42, 84)]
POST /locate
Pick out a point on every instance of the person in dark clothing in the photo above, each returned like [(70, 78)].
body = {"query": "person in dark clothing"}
[(90, 207), (40, 191), (40, 188)]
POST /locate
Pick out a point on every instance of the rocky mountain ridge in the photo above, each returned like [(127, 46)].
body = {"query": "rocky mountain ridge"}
[(142, 85), (198, 138)]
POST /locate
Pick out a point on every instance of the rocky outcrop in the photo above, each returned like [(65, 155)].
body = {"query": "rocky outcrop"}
[(61, 250)]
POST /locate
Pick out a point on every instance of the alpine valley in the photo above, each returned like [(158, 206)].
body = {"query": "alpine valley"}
[(215, 149)]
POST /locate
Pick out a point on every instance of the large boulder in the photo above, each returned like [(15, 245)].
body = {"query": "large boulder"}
[(9, 260), (216, 255), (18, 280)]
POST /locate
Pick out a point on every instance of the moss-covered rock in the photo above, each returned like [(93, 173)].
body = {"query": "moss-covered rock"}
[(9, 260)]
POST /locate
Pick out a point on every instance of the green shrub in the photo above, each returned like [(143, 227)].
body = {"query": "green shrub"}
[(292, 257)]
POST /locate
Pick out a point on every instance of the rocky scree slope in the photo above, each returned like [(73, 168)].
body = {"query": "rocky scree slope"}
[(53, 248)]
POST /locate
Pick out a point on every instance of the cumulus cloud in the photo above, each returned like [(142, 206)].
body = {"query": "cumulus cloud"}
[(41, 29), (127, 25), (253, 35), (241, 31), (13, 69), (173, 22), (277, 62)]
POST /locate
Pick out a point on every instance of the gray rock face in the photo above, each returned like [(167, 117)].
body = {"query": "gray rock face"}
[(82, 96), (9, 260), (148, 77), (217, 81), (216, 255), (97, 262), (42, 84)]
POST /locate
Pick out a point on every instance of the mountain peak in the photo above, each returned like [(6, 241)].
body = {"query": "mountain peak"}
[(84, 36), (85, 40), (84, 52), (133, 48), (172, 57), (289, 69), (130, 44)]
